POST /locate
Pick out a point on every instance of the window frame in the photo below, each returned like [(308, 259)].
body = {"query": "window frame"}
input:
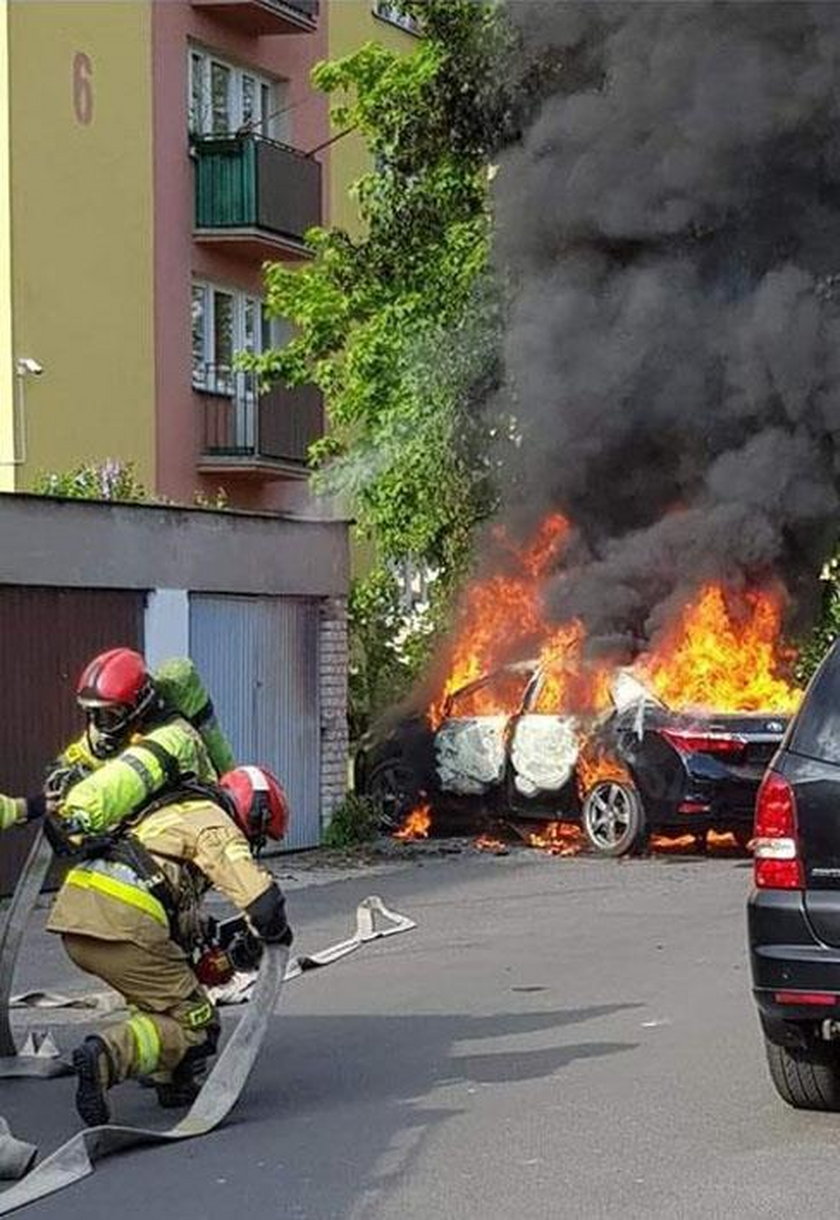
[(218, 377), (266, 92), (391, 15)]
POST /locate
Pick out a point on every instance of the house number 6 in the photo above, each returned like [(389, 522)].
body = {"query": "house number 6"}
[(82, 88)]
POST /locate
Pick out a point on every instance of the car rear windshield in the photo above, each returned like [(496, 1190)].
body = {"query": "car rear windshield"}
[(816, 730)]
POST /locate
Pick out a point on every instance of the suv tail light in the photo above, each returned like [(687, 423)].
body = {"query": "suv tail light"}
[(724, 745), (776, 861)]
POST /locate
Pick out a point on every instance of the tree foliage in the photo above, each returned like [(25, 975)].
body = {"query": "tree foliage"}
[(399, 326)]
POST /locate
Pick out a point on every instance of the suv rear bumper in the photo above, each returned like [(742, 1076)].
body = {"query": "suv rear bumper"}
[(786, 956)]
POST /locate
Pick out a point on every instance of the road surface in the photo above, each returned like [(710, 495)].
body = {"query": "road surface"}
[(558, 1038)]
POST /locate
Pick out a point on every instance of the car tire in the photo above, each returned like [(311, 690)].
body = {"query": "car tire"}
[(807, 1079), (394, 790), (613, 818)]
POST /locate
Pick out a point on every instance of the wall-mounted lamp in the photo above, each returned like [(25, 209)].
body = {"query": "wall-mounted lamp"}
[(25, 366)]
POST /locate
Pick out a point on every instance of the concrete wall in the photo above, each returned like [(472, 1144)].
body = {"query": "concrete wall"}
[(81, 158), (78, 543)]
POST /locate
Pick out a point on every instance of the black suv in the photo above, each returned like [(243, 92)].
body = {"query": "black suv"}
[(794, 910)]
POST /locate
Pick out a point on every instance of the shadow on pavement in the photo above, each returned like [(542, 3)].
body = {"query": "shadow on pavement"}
[(338, 1109)]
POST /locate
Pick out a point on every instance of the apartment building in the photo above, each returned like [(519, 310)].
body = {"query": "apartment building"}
[(153, 155)]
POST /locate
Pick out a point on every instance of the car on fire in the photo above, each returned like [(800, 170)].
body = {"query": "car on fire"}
[(637, 769)]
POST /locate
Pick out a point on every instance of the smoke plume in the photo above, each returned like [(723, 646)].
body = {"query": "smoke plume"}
[(670, 225)]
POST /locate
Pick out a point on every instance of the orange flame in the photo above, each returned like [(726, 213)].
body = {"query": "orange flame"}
[(416, 825), (595, 765), (558, 839), (488, 843), (724, 653), (501, 617)]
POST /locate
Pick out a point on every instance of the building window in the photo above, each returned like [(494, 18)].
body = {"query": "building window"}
[(225, 322), (393, 14), (225, 99)]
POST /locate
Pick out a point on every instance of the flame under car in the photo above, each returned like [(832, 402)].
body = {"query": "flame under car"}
[(638, 769)]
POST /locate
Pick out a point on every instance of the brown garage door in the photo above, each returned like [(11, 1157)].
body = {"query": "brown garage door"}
[(46, 635)]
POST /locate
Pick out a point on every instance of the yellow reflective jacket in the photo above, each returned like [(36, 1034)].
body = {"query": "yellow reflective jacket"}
[(164, 755), (195, 844)]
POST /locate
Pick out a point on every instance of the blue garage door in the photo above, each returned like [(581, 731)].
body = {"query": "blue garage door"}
[(259, 658)]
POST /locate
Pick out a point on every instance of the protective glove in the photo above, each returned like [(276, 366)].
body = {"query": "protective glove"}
[(12, 811), (267, 915)]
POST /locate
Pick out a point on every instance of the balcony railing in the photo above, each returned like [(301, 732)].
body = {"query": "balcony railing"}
[(246, 430), (265, 16), (248, 188)]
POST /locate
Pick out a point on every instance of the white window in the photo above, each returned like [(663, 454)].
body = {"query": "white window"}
[(224, 99), (224, 322), (394, 14)]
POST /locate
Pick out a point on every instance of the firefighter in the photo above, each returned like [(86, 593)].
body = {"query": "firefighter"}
[(134, 746), (131, 916)]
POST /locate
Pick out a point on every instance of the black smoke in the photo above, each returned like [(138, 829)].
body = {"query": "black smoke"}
[(669, 225)]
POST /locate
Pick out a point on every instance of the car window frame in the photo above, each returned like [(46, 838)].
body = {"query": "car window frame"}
[(477, 683)]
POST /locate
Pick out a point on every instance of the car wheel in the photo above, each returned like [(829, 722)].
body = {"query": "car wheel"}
[(394, 789), (808, 1079), (613, 818)]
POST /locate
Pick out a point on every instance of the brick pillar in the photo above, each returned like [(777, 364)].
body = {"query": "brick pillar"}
[(333, 654)]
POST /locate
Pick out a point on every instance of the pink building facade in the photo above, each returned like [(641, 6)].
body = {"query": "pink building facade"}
[(238, 178)]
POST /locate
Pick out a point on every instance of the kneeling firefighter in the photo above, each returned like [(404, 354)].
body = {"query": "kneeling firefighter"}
[(130, 915)]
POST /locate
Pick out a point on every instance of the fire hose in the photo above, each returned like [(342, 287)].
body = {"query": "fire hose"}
[(75, 1159)]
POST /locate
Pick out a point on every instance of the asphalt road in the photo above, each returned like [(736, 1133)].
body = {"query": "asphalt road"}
[(558, 1038)]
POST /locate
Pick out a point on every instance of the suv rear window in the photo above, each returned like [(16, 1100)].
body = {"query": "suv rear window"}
[(816, 730)]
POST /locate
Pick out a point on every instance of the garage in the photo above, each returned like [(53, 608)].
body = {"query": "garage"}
[(259, 659), (48, 635)]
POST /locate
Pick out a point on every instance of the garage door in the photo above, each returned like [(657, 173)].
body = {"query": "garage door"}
[(46, 636), (259, 658)]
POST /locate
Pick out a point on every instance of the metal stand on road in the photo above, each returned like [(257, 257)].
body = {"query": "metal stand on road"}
[(75, 1159)]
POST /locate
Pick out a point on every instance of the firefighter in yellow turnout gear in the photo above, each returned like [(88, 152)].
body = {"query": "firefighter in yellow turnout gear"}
[(131, 917), (134, 801), (135, 745)]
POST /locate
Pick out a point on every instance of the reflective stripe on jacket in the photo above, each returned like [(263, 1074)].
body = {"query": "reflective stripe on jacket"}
[(195, 844), (126, 783)]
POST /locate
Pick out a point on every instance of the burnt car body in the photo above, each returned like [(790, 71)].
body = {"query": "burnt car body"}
[(666, 772)]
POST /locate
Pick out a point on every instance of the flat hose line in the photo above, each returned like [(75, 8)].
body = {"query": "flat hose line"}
[(75, 1159)]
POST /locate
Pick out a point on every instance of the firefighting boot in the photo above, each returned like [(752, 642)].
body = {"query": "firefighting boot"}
[(187, 1078), (95, 1073)]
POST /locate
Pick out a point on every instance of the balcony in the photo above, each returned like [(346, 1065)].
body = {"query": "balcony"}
[(254, 195), (265, 16), (258, 435)]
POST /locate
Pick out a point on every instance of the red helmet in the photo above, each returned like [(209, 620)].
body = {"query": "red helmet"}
[(116, 691), (260, 804)]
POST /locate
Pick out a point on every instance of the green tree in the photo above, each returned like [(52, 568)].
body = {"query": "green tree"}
[(399, 326)]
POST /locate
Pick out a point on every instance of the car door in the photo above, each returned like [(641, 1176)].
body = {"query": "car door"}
[(544, 744), (471, 742)]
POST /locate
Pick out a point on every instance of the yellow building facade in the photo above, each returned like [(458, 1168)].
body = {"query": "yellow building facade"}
[(352, 23), (76, 233)]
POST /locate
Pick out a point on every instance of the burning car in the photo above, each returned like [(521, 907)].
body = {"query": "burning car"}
[(635, 769)]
